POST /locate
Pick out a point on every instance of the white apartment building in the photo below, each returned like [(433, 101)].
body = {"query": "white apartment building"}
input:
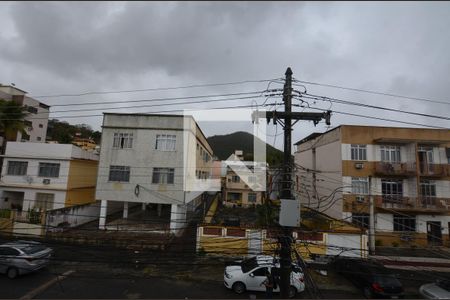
[(46, 176), (405, 170), (152, 159), (37, 119)]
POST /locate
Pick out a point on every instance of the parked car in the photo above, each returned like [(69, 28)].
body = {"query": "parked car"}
[(436, 290), (22, 257), (375, 280), (247, 275)]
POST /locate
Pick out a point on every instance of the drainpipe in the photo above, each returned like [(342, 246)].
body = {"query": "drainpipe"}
[(371, 220)]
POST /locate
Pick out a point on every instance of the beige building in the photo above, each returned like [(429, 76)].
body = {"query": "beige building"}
[(37, 118), (406, 170), (243, 189)]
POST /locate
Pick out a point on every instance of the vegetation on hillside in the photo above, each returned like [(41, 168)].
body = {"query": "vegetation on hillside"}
[(64, 133), (225, 145)]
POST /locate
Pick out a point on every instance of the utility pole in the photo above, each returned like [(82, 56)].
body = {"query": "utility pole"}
[(286, 193), (371, 220)]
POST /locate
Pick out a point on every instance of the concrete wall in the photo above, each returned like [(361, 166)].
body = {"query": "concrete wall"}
[(327, 160), (72, 216)]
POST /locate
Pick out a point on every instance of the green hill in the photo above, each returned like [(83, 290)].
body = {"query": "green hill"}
[(225, 145)]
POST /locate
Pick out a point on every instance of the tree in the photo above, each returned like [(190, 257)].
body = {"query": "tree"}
[(12, 121)]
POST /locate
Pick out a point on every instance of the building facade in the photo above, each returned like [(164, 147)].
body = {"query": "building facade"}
[(37, 118), (46, 177), (244, 189), (405, 171), (153, 160)]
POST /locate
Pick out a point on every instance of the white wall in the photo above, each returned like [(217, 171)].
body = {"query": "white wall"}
[(327, 160), (30, 196), (74, 216), (354, 244)]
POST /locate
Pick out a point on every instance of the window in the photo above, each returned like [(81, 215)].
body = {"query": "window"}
[(44, 201), (17, 167), (428, 192), (359, 152), (251, 197), (404, 223), (48, 170), (361, 220), (165, 142), (390, 154), (119, 173), (163, 175), (360, 185), (234, 196), (41, 126), (427, 188), (392, 190), (260, 272), (31, 109), (235, 178), (123, 140), (8, 251)]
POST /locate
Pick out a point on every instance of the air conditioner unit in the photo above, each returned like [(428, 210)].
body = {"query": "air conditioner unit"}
[(46, 181), (359, 165)]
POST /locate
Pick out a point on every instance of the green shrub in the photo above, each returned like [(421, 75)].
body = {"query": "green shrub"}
[(395, 244), (378, 243)]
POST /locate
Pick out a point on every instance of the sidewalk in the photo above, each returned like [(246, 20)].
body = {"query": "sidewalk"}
[(412, 263)]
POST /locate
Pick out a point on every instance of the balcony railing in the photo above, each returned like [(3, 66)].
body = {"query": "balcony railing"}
[(395, 169), (436, 170), (413, 203)]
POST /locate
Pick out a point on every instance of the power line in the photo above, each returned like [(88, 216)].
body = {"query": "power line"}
[(347, 102), (372, 92), (155, 89)]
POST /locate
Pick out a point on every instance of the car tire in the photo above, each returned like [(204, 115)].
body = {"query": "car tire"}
[(238, 287), (292, 291), (12, 273), (368, 293)]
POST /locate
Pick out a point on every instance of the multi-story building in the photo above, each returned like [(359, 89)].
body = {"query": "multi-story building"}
[(153, 159), (36, 120), (405, 171), (243, 189), (46, 176)]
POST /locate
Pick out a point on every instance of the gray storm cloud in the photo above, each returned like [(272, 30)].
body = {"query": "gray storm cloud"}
[(64, 47)]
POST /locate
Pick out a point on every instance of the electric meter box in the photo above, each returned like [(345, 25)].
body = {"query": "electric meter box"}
[(290, 213)]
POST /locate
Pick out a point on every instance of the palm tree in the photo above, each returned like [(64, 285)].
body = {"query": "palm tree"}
[(12, 121)]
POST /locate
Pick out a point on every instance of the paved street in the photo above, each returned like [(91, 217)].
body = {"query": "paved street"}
[(105, 272)]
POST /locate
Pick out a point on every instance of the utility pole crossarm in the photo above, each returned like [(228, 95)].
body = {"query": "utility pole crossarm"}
[(307, 116)]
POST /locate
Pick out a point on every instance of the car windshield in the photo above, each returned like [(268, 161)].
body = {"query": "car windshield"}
[(387, 280), (445, 284), (249, 264), (31, 249)]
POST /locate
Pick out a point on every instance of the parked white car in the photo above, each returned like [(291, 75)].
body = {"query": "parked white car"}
[(437, 290), (249, 274)]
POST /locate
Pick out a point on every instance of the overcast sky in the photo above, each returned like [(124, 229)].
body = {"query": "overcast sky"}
[(74, 47)]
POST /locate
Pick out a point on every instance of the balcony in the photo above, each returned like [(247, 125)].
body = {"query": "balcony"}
[(423, 204), (433, 170), (395, 169)]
